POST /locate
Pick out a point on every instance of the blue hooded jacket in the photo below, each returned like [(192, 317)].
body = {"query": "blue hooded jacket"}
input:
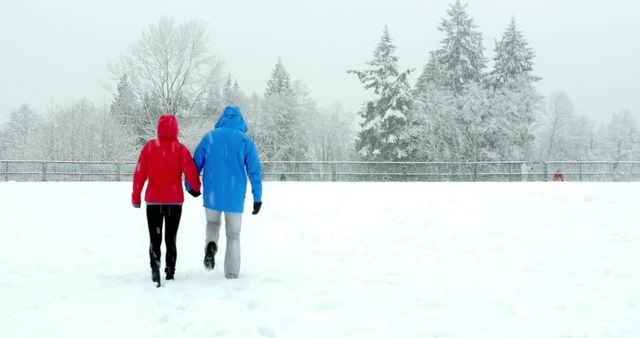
[(227, 156)]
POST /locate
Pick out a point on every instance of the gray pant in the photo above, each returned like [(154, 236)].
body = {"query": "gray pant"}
[(233, 223)]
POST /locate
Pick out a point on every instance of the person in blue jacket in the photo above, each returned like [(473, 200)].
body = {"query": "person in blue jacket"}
[(227, 155)]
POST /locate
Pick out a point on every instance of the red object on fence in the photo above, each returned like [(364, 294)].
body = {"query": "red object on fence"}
[(558, 176)]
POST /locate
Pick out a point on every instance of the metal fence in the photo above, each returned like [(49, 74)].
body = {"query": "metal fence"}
[(349, 171)]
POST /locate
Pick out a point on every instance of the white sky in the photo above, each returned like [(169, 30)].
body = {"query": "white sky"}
[(56, 51)]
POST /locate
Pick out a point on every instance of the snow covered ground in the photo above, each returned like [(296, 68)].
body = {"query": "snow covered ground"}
[(331, 260)]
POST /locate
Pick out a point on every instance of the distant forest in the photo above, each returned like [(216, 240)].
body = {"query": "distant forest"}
[(459, 109)]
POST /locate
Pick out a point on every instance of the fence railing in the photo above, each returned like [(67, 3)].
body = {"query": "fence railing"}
[(621, 171)]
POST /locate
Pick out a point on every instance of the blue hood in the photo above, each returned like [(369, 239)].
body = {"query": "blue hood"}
[(232, 118)]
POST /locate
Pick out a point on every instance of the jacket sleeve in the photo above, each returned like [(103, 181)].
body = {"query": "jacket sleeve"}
[(200, 154), (191, 174), (140, 176), (252, 163), (198, 159)]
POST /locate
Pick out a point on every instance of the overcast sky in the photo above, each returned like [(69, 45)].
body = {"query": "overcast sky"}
[(58, 50)]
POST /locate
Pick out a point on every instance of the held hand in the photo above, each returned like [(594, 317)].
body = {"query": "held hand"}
[(256, 208), (137, 206), (194, 193)]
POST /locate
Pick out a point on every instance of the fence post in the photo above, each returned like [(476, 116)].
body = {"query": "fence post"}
[(545, 170), (334, 171), (44, 171), (117, 171), (580, 169), (6, 171), (475, 171)]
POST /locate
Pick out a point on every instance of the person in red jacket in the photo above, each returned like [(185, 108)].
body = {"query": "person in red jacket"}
[(162, 161), (558, 176)]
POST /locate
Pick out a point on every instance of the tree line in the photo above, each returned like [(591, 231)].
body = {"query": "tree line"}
[(457, 109)]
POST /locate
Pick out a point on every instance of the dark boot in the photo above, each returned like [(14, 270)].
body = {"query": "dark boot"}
[(209, 255), (155, 275), (155, 268), (170, 272)]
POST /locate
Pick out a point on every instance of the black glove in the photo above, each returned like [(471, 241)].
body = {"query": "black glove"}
[(137, 206), (256, 208), (194, 193)]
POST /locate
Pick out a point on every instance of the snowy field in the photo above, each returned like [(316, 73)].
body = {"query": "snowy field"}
[(331, 260)]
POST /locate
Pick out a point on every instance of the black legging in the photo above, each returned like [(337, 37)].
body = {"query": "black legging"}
[(171, 214)]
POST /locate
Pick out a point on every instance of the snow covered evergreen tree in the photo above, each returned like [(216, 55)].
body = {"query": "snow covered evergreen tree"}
[(254, 116), (517, 112), (446, 92), (516, 99), (432, 125), (384, 133), (477, 140), (232, 95), (507, 112), (281, 129), (461, 59), (432, 75), (279, 83), (513, 60), (213, 103), (114, 142), (227, 91), (126, 110)]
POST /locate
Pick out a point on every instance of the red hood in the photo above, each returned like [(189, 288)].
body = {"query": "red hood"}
[(168, 127)]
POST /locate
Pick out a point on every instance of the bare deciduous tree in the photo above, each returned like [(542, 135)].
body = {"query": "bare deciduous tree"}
[(19, 137), (622, 137), (170, 70), (560, 115), (330, 133)]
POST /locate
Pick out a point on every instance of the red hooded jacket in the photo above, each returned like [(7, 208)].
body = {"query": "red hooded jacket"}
[(162, 161)]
